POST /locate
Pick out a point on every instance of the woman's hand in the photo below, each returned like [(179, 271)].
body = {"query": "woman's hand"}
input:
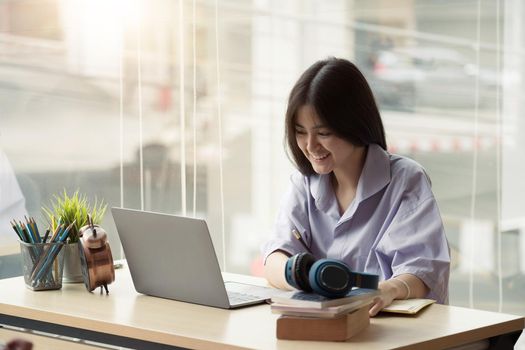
[(404, 286), (388, 292)]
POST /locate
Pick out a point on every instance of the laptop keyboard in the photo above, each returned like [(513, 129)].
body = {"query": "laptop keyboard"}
[(240, 298), (240, 293)]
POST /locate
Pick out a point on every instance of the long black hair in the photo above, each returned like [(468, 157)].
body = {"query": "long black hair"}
[(343, 101)]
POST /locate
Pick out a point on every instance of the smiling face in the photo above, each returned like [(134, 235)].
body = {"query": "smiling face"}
[(325, 151)]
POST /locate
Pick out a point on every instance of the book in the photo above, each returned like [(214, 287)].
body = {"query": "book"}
[(328, 312), (334, 329), (317, 301), (409, 306)]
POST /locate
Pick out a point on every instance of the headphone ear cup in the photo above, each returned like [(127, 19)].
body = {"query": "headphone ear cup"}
[(296, 271), (330, 278), (303, 263)]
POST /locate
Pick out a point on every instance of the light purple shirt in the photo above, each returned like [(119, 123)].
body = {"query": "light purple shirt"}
[(392, 227)]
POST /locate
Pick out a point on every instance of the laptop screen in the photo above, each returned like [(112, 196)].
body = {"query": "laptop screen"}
[(171, 257)]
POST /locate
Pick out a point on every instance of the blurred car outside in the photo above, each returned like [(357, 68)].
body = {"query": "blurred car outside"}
[(412, 77)]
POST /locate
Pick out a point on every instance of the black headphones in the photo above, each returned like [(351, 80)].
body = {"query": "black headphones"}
[(328, 277)]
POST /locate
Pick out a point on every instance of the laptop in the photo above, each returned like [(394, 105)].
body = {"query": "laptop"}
[(173, 257)]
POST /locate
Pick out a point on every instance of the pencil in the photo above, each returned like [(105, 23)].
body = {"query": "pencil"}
[(17, 233), (35, 229), (45, 236), (26, 233), (65, 233), (54, 235), (301, 240), (30, 230)]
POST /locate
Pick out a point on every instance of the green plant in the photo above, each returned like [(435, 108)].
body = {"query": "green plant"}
[(66, 209)]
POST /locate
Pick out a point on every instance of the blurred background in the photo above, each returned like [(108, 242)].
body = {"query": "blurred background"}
[(178, 107)]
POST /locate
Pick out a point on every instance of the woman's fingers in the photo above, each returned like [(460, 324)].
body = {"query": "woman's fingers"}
[(377, 305)]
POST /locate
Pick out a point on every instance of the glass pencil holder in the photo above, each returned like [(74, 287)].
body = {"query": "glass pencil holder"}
[(42, 264)]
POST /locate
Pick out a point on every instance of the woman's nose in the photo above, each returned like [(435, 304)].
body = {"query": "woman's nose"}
[(311, 143)]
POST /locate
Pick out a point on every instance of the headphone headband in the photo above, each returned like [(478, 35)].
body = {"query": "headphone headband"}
[(364, 280)]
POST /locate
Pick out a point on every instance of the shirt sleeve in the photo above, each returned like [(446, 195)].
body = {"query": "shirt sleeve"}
[(415, 243), (293, 213)]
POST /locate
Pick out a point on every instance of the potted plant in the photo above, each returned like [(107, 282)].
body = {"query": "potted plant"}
[(67, 209)]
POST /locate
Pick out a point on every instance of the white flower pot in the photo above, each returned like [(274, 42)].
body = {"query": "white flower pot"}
[(72, 266)]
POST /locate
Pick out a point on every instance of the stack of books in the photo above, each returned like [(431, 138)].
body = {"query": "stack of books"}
[(309, 316)]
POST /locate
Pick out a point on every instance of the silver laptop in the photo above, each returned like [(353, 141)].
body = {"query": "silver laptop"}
[(173, 257)]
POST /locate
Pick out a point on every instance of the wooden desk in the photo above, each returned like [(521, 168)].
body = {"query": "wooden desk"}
[(128, 319)]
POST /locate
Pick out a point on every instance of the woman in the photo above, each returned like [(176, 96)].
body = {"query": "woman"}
[(351, 200)]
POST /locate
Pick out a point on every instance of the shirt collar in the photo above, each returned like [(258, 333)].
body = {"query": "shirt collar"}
[(322, 191), (374, 176)]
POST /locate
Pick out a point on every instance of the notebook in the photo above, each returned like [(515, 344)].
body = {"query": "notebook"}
[(409, 306), (173, 257)]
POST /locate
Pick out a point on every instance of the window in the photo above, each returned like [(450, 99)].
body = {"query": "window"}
[(447, 75)]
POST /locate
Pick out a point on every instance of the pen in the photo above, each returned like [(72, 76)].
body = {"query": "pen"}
[(300, 239)]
